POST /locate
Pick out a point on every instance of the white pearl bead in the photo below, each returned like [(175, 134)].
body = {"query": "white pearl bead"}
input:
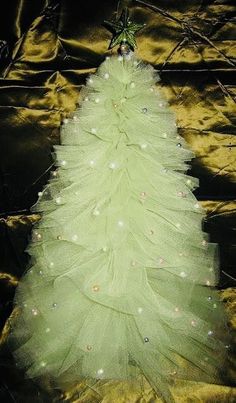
[(43, 364), (93, 130), (208, 282), (214, 306), (96, 212), (188, 181), (90, 80), (161, 260), (132, 84), (107, 57), (121, 223), (151, 89), (143, 146), (91, 163), (51, 264), (65, 121), (100, 371), (75, 118), (161, 104), (106, 76), (104, 248), (58, 200), (40, 194), (34, 311), (183, 274), (47, 330), (41, 272), (63, 163), (74, 237), (140, 310), (196, 205), (178, 225), (86, 99), (176, 309), (210, 333), (112, 165), (97, 100), (193, 322), (164, 135)]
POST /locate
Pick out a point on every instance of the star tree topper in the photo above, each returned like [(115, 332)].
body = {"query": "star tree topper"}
[(123, 30)]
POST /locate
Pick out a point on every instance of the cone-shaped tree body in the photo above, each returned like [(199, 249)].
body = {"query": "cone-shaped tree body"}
[(122, 275)]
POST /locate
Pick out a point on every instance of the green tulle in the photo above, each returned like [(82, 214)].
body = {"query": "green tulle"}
[(122, 277)]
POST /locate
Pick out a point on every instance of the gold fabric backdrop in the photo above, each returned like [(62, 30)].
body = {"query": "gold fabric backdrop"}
[(47, 49)]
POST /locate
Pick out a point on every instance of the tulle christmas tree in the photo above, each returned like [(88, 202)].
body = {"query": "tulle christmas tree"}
[(122, 278)]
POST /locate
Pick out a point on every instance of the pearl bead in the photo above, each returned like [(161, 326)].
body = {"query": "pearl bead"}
[(196, 205), (89, 348), (164, 135), (41, 272), (40, 194), (179, 145), (177, 137), (58, 200), (75, 118), (143, 146), (204, 242), (161, 104), (97, 100), (115, 105), (96, 212), (100, 371), (63, 163), (104, 248), (178, 225), (106, 76), (161, 260), (25, 305), (183, 274), (214, 306), (227, 346), (86, 99), (144, 110), (208, 282), (146, 339), (91, 163), (211, 269), (107, 57), (176, 309), (209, 298), (93, 130), (59, 237), (181, 194), (43, 364), (51, 264), (34, 311), (47, 330), (133, 263), (120, 223), (74, 237), (143, 194), (90, 80), (210, 333), (120, 58), (37, 236), (132, 84), (193, 322), (54, 173), (112, 165), (96, 288), (151, 89), (140, 309), (54, 305), (188, 181), (65, 121)]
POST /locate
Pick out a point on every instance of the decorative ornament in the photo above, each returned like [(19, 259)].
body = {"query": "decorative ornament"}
[(124, 31)]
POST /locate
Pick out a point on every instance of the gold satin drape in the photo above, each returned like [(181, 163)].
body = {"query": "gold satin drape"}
[(47, 49)]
